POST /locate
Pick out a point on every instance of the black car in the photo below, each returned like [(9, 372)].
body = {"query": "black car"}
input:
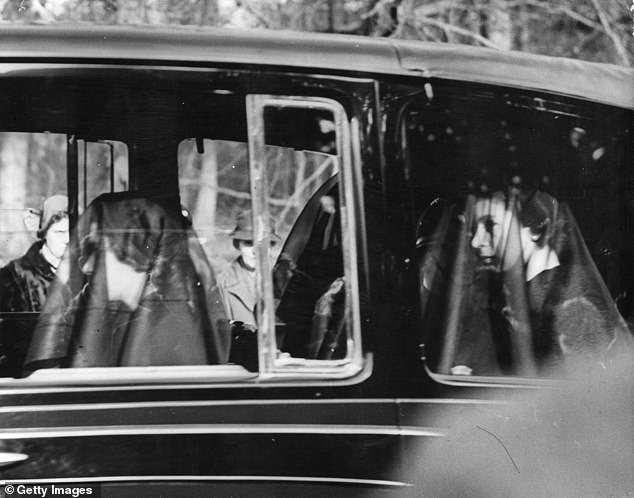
[(434, 229)]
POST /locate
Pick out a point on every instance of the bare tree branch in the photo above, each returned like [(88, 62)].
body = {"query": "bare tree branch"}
[(578, 17), (291, 201), (455, 29), (618, 44), (557, 9), (451, 19), (588, 39)]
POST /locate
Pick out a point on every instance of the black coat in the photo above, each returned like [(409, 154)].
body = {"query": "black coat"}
[(24, 281)]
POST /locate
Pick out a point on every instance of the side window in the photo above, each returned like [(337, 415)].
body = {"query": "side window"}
[(270, 217), (254, 260), (34, 221), (523, 235), (32, 168)]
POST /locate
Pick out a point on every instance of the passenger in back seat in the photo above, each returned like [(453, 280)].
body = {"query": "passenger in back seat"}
[(237, 283), (24, 281)]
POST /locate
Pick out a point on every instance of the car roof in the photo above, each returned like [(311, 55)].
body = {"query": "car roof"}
[(353, 55)]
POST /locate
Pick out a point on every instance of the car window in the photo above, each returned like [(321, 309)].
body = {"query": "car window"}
[(35, 223), (129, 190), (523, 233), (303, 267)]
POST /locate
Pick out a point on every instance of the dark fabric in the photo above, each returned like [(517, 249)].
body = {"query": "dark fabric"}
[(24, 284), (571, 310), (535, 308), (179, 318), (24, 281), (319, 263), (484, 345)]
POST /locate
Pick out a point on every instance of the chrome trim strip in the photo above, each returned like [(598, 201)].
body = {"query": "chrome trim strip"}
[(306, 379), (199, 478), (6, 68), (171, 429), (495, 382), (242, 402), (90, 376), (9, 458)]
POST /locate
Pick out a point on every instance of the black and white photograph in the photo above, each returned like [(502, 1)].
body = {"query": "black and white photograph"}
[(317, 248)]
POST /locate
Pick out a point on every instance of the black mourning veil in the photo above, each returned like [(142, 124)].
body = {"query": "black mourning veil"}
[(135, 289), (508, 286)]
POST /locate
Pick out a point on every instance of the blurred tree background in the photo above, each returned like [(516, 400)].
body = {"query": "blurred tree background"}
[(595, 30)]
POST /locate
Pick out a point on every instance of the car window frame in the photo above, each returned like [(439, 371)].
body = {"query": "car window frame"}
[(347, 146)]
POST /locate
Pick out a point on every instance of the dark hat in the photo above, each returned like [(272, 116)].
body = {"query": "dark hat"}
[(538, 211), (244, 227), (53, 209)]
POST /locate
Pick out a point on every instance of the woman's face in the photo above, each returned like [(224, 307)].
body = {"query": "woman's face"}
[(56, 237), (498, 239), (490, 223), (247, 251)]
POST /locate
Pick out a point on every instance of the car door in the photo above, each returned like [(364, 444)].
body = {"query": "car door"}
[(296, 420)]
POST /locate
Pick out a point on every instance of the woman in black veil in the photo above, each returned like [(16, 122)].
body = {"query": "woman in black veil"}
[(573, 316), (517, 292), (144, 293)]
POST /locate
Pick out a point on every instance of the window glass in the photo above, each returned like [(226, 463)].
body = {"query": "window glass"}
[(102, 167), (32, 215), (311, 277), (35, 227), (523, 235), (32, 168), (305, 257), (142, 264), (214, 189)]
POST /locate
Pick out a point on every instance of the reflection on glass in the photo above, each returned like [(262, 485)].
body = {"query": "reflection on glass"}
[(305, 255)]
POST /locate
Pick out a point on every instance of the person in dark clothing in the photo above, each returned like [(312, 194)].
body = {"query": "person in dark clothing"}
[(573, 316), (24, 281), (537, 241), (144, 293), (319, 266)]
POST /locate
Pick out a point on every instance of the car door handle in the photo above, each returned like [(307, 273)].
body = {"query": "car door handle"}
[(10, 458)]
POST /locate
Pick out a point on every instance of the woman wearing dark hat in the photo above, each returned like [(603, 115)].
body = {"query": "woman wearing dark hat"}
[(237, 283), (24, 281)]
